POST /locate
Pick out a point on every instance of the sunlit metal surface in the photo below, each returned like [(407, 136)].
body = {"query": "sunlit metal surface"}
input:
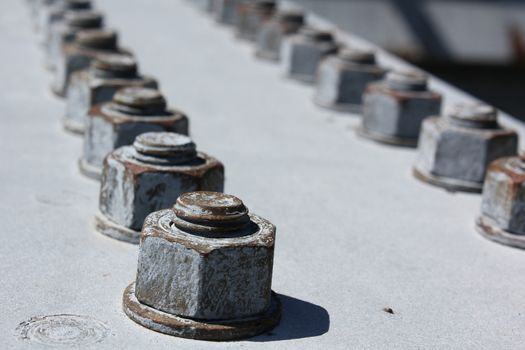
[(366, 256)]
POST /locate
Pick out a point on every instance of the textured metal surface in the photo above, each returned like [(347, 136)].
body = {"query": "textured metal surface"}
[(366, 256)]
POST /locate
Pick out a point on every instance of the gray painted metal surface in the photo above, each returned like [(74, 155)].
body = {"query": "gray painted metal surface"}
[(356, 233)]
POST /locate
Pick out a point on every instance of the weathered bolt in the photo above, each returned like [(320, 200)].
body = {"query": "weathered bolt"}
[(205, 270), (455, 150), (272, 32), (225, 11), (55, 16), (394, 109), (148, 176), (503, 202), (251, 15), (343, 78), (133, 111), (302, 53), (64, 33), (87, 88), (78, 55)]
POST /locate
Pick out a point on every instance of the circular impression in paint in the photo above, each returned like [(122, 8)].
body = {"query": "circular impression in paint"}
[(62, 330)]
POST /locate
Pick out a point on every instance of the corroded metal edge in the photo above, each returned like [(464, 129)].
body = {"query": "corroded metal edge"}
[(88, 170), (386, 139), (339, 107), (223, 330), (301, 78), (447, 183), (488, 229), (73, 126), (111, 229), (58, 93), (266, 56)]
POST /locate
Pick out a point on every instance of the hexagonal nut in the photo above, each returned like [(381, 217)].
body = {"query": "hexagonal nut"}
[(396, 116), (74, 21), (225, 11), (105, 133), (268, 41), (251, 16), (461, 153), (300, 57), (130, 189), (341, 85), (78, 55), (85, 91), (204, 278), (504, 194)]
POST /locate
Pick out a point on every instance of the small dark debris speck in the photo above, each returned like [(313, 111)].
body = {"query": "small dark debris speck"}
[(388, 310)]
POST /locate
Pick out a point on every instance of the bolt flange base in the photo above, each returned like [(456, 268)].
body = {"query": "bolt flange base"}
[(91, 171), (267, 56), (73, 126), (114, 230), (447, 183), (488, 229), (223, 330), (339, 107), (301, 78), (386, 139)]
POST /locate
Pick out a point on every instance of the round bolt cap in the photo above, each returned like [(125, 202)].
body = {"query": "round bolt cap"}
[(117, 64), (166, 144), (476, 113), (77, 4), (144, 99), (357, 56), (266, 5), (296, 17), (83, 19), (317, 35), (209, 212), (406, 80), (97, 39)]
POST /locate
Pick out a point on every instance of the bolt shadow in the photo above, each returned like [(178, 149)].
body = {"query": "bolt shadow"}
[(300, 319)]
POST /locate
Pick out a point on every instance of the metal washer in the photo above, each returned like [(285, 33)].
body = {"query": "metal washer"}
[(93, 172), (217, 330), (488, 229), (447, 183), (386, 139), (73, 126), (111, 229)]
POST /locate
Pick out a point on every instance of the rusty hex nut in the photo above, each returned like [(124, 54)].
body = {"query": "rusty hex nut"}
[(133, 111), (107, 74), (394, 108), (272, 32), (301, 53), (54, 15), (64, 33), (503, 202), (205, 270), (343, 78), (456, 149), (79, 54), (225, 11), (148, 176), (251, 14)]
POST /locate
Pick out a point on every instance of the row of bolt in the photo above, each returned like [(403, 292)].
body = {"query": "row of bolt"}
[(464, 149), (138, 149), (205, 263)]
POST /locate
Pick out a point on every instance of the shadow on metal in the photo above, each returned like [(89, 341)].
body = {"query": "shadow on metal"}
[(300, 319)]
